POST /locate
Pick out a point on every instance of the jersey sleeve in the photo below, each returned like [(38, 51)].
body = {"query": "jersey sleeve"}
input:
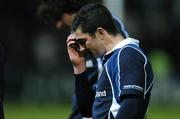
[(132, 73), (131, 107), (84, 94)]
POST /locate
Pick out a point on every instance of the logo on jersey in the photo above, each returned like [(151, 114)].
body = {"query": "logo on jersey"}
[(100, 93), (133, 87)]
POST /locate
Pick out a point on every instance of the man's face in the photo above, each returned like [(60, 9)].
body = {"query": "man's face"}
[(92, 43), (65, 21)]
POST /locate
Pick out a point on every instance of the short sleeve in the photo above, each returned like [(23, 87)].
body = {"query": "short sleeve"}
[(132, 73)]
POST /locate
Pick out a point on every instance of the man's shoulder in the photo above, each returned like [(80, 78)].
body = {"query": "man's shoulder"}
[(129, 51)]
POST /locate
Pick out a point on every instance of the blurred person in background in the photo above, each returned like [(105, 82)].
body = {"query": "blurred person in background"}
[(124, 86), (2, 62), (61, 14)]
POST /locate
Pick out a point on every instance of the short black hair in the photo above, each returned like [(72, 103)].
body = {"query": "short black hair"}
[(53, 10), (92, 16)]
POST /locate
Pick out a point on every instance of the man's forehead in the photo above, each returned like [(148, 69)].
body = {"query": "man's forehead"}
[(78, 33)]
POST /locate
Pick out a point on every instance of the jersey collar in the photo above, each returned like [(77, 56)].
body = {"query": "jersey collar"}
[(123, 43)]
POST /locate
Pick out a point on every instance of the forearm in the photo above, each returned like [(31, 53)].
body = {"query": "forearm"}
[(84, 94)]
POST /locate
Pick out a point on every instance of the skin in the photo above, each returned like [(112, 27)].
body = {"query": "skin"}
[(99, 45)]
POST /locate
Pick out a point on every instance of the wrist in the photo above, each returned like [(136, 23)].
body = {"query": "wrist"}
[(79, 69)]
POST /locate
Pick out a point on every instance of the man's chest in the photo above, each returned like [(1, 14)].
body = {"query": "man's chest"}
[(103, 86)]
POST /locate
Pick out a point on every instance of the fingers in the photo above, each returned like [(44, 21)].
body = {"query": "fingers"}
[(71, 39), (74, 46)]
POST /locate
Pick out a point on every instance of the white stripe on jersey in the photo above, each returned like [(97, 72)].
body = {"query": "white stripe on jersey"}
[(114, 106)]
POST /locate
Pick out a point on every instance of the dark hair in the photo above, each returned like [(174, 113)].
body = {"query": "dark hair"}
[(52, 10), (92, 16)]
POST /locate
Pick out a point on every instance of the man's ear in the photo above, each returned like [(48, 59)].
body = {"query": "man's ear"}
[(100, 33)]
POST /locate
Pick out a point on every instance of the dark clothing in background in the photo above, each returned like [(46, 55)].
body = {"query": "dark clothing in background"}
[(2, 61)]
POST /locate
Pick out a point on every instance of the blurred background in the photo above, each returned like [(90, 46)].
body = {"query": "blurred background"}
[(38, 75)]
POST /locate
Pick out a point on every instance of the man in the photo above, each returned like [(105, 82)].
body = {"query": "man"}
[(124, 85), (61, 13)]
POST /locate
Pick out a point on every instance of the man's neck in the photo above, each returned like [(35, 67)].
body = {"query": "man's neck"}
[(112, 41)]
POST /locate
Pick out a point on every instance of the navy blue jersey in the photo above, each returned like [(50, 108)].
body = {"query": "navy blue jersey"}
[(93, 68), (126, 71)]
